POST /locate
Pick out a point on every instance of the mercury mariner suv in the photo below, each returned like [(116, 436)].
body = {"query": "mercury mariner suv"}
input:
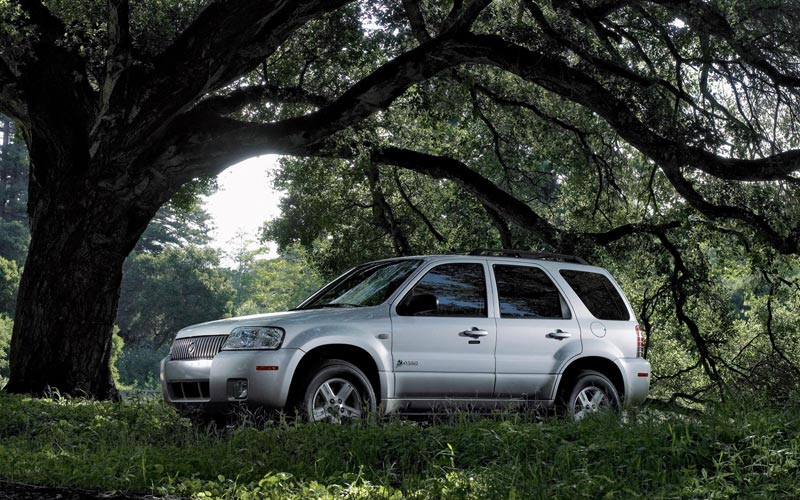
[(425, 333)]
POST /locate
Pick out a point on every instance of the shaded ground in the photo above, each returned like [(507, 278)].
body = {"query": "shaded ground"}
[(21, 491)]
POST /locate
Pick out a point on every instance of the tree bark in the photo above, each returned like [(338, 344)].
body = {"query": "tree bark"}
[(82, 228)]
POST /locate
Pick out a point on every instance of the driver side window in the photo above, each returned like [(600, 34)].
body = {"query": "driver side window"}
[(448, 290)]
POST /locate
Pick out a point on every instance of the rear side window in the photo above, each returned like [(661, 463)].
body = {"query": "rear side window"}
[(527, 292), (598, 294)]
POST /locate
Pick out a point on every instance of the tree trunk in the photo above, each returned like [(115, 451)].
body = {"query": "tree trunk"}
[(81, 231)]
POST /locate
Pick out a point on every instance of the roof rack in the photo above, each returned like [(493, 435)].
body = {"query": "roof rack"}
[(524, 254)]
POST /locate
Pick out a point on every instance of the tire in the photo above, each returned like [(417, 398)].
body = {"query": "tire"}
[(338, 392), (591, 393)]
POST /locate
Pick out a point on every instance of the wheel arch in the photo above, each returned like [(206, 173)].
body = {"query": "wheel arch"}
[(597, 363), (358, 356)]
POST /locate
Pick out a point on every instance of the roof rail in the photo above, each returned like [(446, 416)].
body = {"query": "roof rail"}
[(524, 254)]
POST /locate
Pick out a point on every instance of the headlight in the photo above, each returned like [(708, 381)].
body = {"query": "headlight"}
[(254, 337)]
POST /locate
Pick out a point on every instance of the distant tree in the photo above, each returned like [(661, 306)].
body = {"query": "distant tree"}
[(9, 281), (14, 232), (170, 290), (270, 285), (181, 222), (6, 325), (14, 240), (13, 173)]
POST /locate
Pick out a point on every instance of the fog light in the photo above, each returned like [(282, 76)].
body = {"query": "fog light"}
[(237, 388)]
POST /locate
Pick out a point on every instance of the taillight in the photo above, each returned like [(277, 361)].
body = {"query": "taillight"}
[(639, 343)]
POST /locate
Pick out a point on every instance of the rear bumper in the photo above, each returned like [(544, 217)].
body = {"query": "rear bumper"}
[(636, 373)]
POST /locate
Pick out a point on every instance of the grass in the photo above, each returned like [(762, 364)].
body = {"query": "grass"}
[(736, 451)]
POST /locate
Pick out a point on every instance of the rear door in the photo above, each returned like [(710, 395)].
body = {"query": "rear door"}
[(537, 332), (448, 350)]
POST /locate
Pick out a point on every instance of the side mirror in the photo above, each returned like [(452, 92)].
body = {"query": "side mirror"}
[(418, 305)]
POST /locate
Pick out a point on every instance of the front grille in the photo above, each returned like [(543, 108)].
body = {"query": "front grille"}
[(197, 347), (189, 390)]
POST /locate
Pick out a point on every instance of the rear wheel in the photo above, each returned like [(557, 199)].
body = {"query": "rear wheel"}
[(338, 392), (591, 393)]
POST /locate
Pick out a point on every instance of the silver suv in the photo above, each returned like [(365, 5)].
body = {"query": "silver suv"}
[(415, 334)]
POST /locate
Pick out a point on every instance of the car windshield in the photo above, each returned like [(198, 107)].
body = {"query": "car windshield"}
[(368, 285)]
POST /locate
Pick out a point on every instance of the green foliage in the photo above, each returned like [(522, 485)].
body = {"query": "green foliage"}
[(6, 326), (271, 285), (9, 282), (117, 344), (14, 239), (175, 225), (740, 450), (13, 177), (187, 199), (14, 232), (167, 291), (138, 365), (329, 212)]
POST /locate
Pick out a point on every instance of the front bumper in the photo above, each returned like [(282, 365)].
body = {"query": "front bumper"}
[(208, 383)]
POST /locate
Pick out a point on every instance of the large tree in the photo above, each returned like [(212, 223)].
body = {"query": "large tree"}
[(123, 103)]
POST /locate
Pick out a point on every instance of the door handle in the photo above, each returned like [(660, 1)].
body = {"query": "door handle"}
[(559, 334), (474, 333)]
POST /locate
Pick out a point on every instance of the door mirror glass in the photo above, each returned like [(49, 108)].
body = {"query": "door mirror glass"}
[(419, 305)]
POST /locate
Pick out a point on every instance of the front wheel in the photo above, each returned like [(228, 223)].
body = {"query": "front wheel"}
[(591, 393), (338, 392)]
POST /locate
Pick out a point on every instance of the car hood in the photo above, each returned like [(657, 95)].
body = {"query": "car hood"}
[(285, 320)]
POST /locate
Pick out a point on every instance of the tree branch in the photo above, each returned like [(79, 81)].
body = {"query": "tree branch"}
[(241, 97), (705, 18), (217, 140), (11, 99), (462, 16), (558, 77), (442, 167), (425, 220), (304, 135), (417, 20), (119, 35), (615, 68), (227, 40), (383, 215), (501, 225), (504, 204), (679, 276), (50, 27)]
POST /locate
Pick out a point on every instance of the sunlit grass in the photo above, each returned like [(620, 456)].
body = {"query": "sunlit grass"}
[(741, 451)]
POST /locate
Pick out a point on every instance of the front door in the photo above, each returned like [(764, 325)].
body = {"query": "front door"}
[(443, 336)]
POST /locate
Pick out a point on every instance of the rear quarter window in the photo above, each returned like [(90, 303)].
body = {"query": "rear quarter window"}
[(598, 294)]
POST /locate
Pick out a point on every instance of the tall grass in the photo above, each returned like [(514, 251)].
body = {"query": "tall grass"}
[(735, 451)]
